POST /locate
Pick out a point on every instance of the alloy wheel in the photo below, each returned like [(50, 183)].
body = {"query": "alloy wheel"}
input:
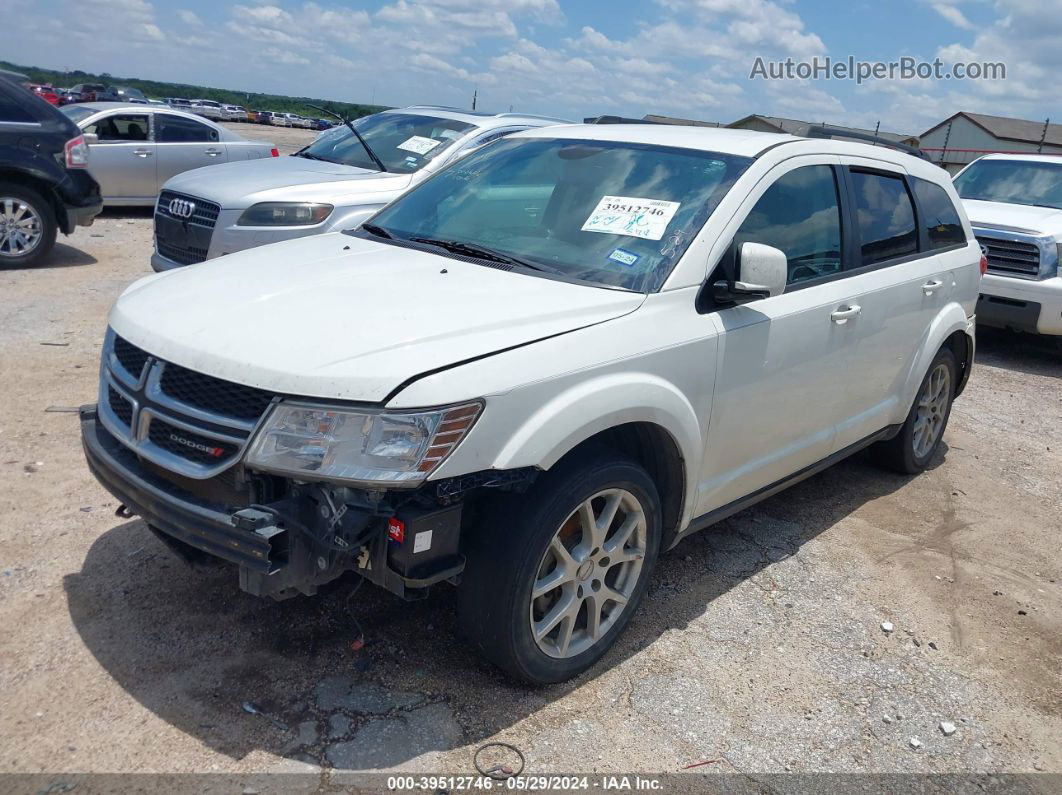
[(21, 227), (588, 573), (932, 409)]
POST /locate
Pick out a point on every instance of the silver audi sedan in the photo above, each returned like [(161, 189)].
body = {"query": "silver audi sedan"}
[(136, 148)]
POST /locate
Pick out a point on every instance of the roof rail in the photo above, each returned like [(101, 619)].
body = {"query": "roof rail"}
[(617, 120), (826, 131), (531, 116)]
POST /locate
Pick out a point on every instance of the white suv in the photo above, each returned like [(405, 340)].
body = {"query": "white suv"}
[(1015, 205), (537, 370)]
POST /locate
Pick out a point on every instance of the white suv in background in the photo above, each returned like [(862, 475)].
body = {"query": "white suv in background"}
[(1015, 205), (335, 183), (537, 370)]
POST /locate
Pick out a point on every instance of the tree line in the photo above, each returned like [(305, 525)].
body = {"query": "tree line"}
[(156, 89)]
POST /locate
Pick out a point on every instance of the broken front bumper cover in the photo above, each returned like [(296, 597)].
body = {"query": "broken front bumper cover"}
[(274, 559)]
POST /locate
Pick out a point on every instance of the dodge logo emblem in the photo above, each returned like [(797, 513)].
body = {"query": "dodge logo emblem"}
[(181, 208)]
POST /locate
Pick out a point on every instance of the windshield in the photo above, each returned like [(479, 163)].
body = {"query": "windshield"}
[(609, 213), (76, 113), (405, 142), (1013, 181)]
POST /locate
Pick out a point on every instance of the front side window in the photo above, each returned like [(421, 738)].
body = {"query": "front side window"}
[(800, 215), (177, 129), (1013, 181), (404, 142), (884, 216), (121, 128), (939, 217), (609, 213)]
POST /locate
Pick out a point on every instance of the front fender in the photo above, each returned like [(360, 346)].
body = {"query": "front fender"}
[(589, 407), (950, 319), (352, 217)]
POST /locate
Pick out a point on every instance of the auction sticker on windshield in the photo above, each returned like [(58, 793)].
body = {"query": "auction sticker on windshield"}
[(418, 144), (623, 215)]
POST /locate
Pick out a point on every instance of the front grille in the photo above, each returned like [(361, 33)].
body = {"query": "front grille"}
[(205, 213), (213, 394), (185, 444), (130, 357), (186, 255), (121, 407), (1011, 256), (186, 422)]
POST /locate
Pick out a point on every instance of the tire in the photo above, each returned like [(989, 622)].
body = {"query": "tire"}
[(910, 452), (24, 213), (515, 548)]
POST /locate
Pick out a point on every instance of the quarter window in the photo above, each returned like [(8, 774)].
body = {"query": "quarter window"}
[(885, 217), (938, 215), (177, 129), (800, 215), (11, 110)]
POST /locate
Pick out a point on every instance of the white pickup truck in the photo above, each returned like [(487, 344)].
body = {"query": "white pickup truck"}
[(1015, 205), (540, 368)]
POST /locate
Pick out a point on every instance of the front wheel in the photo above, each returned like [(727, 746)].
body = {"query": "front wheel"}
[(913, 448), (554, 576)]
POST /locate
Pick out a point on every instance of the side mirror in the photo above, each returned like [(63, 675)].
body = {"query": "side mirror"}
[(762, 273), (91, 138)]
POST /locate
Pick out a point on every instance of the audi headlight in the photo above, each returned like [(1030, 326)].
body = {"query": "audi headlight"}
[(285, 214), (392, 447)]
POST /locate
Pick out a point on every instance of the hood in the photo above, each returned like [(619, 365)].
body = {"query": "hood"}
[(238, 185), (334, 316), (1019, 217)]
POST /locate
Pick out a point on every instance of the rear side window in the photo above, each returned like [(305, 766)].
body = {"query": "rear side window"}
[(940, 219), (11, 110), (176, 129), (885, 217), (799, 214)]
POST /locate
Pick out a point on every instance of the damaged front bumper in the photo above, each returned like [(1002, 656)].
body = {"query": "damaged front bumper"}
[(299, 540)]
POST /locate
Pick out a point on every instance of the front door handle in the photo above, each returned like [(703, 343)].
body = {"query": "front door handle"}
[(213, 152), (142, 152), (841, 316), (931, 287)]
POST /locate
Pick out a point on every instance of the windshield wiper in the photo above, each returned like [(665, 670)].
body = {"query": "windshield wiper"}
[(378, 231), (309, 156), (362, 141), (474, 250)]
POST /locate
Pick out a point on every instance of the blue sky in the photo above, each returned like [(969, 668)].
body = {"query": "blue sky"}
[(689, 58)]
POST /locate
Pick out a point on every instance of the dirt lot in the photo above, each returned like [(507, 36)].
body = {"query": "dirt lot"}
[(759, 649)]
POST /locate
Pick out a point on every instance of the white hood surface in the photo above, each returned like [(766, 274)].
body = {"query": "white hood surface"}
[(1039, 220), (340, 317)]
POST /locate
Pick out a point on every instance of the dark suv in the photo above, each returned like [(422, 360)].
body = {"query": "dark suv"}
[(44, 183)]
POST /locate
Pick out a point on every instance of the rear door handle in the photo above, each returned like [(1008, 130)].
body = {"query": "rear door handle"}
[(213, 152), (932, 286), (841, 316), (142, 152)]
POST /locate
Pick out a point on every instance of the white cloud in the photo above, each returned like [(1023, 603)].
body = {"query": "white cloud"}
[(189, 17), (953, 14)]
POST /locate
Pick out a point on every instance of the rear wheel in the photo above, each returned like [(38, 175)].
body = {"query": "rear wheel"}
[(27, 226), (913, 448), (555, 575)]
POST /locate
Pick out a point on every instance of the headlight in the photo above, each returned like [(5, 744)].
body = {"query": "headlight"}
[(284, 214), (367, 446)]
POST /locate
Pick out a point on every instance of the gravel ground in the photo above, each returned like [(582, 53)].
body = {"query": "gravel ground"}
[(760, 647)]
